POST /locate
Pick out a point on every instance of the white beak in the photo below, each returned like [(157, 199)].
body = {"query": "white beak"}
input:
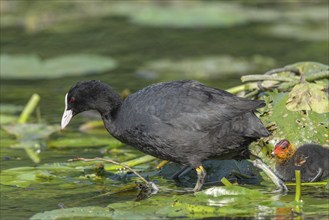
[(67, 115)]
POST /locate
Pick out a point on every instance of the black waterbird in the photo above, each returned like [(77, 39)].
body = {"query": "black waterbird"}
[(180, 121)]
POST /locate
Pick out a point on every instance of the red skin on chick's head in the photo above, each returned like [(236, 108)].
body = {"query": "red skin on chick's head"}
[(283, 151)]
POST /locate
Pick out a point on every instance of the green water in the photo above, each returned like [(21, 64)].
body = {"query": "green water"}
[(132, 46)]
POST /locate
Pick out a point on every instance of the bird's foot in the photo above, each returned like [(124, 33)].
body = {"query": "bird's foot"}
[(201, 178)]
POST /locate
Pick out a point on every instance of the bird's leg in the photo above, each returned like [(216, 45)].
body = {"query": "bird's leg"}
[(318, 175), (201, 178), (278, 182), (180, 172)]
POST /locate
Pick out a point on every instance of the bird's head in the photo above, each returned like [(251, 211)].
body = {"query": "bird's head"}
[(89, 95), (283, 150)]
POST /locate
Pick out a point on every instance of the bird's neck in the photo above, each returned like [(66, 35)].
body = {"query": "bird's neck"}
[(109, 104)]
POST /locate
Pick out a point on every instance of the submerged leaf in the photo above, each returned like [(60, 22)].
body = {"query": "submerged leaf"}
[(308, 96)]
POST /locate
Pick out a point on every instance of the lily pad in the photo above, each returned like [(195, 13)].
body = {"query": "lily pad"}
[(90, 212), (30, 137), (183, 14), (84, 142), (299, 127), (234, 200), (308, 96), (192, 14), (10, 109), (204, 68), (31, 131), (7, 113), (7, 119), (30, 66), (230, 191), (25, 176), (302, 32)]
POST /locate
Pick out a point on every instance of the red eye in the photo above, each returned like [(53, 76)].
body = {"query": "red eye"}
[(72, 100)]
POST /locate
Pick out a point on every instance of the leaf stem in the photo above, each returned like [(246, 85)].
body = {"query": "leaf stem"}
[(226, 182), (29, 108), (298, 186), (249, 78)]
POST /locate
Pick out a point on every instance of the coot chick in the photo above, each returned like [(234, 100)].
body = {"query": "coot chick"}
[(311, 159), (181, 121)]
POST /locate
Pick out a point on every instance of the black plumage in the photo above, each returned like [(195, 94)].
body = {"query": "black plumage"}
[(311, 159), (181, 121)]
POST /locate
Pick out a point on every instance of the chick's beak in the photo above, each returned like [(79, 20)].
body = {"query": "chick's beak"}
[(67, 115), (273, 154)]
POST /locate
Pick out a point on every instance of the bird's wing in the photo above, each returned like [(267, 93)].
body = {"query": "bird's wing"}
[(190, 105)]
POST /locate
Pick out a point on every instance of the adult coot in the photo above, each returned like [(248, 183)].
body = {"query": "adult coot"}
[(311, 159), (181, 121)]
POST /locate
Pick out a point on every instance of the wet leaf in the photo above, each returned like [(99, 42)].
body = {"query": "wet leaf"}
[(26, 176), (7, 113), (10, 109), (182, 15), (30, 137), (312, 32), (7, 119), (30, 66), (31, 131), (81, 142), (90, 212), (230, 191), (203, 68), (308, 96), (298, 127)]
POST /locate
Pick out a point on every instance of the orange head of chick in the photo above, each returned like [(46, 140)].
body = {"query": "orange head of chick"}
[(283, 151)]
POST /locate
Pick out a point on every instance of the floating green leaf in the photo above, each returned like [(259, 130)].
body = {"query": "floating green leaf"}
[(84, 142), (30, 137), (7, 112), (25, 176), (30, 66), (7, 119), (230, 191), (298, 127), (192, 14), (10, 109), (308, 96), (31, 131), (200, 205), (312, 32), (203, 68), (90, 212)]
